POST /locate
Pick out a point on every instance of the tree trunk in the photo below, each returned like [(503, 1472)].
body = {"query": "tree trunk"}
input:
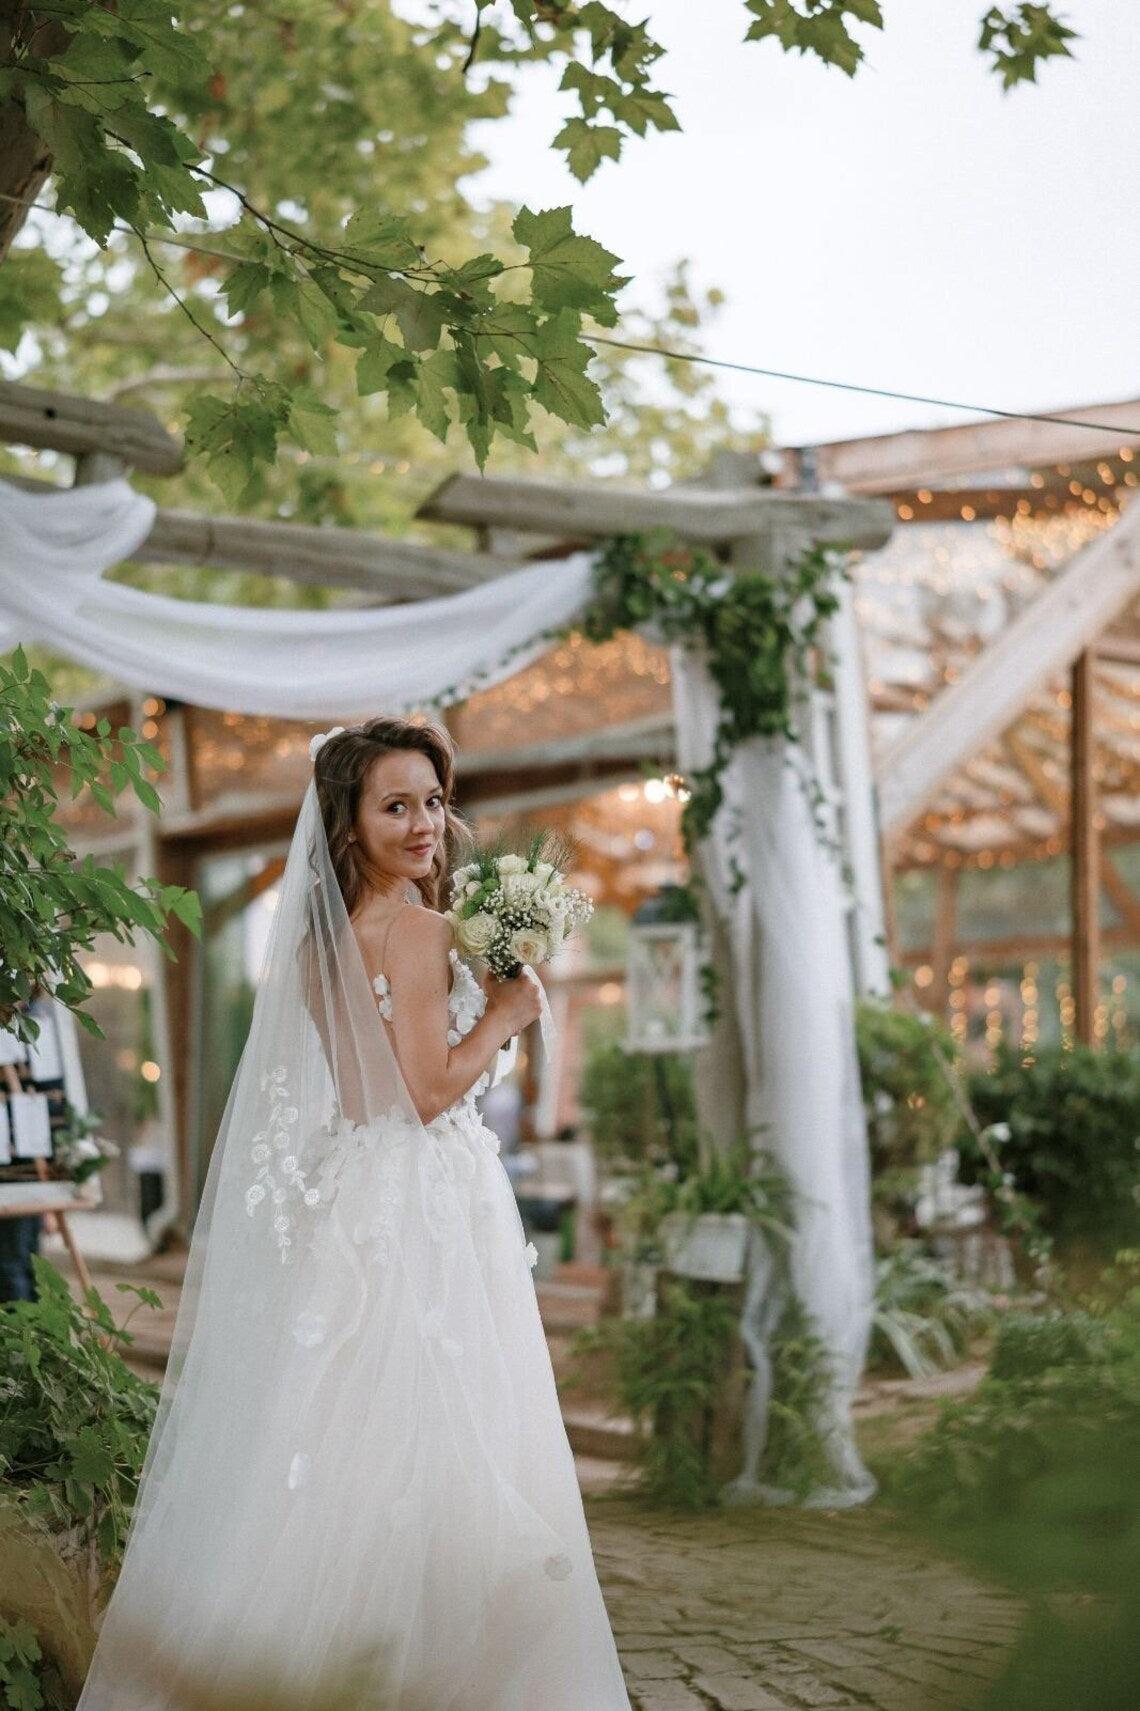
[(25, 161)]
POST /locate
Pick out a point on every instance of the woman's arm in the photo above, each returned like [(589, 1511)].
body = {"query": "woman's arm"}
[(418, 970)]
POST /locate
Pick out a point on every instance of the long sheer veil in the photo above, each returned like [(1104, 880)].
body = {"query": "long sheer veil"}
[(336, 1362)]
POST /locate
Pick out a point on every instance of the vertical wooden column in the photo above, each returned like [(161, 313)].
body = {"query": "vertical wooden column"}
[(942, 949), (1084, 847)]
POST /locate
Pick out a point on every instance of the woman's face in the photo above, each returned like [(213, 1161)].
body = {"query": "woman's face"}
[(400, 819)]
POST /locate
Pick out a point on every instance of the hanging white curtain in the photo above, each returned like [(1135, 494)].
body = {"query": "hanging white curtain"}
[(793, 1000), (792, 978), (54, 548)]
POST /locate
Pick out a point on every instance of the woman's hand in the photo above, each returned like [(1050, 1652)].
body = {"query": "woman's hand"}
[(512, 1004)]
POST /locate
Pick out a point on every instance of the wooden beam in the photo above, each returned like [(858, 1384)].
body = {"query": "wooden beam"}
[(646, 738), (57, 421), (945, 925), (1063, 620), (1084, 848), (1017, 947), (918, 458), (1118, 650), (324, 557), (578, 512), (385, 568)]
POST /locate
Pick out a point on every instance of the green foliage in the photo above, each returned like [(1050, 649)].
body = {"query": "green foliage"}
[(758, 634), (1051, 1395), (1018, 38), (669, 1371), (51, 905), (1034, 1481), (820, 27), (794, 1453), (75, 1420), (640, 1105), (20, 1658), (912, 1114), (1066, 1130), (188, 129), (1029, 1345), (923, 1316)]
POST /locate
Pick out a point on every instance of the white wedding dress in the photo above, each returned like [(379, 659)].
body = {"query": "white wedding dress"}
[(360, 1457)]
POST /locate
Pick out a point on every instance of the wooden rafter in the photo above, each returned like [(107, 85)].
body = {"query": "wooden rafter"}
[(1046, 636), (591, 513), (884, 462)]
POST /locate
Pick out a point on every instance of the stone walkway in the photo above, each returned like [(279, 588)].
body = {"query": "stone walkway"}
[(780, 1610)]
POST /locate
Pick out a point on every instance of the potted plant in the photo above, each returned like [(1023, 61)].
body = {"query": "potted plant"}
[(705, 1235)]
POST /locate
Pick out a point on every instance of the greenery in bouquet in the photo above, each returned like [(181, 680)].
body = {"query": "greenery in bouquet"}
[(514, 910)]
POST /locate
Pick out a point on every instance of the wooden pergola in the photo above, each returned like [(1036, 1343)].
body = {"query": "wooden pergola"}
[(972, 761), (737, 514)]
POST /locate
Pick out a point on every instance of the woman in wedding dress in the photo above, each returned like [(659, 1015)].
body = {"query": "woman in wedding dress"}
[(359, 1472)]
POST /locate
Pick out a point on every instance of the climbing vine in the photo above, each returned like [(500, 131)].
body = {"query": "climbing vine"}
[(761, 636)]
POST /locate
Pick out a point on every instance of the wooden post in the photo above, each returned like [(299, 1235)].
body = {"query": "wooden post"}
[(1084, 847), (942, 949)]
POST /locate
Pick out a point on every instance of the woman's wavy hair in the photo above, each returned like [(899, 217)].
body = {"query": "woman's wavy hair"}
[(340, 769)]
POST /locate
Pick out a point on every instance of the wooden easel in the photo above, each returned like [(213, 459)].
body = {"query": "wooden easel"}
[(34, 1209)]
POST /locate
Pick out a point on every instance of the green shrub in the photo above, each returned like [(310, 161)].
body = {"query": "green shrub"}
[(923, 1316), (640, 1105), (1073, 1140), (1034, 1481), (74, 1419)]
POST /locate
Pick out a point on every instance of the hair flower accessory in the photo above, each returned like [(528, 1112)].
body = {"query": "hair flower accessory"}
[(317, 743)]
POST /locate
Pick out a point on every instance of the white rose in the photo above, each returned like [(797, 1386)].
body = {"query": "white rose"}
[(478, 934), (512, 864), (471, 887), (530, 945), (543, 870), (520, 887)]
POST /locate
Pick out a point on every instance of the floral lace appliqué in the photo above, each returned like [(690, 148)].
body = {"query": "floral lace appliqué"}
[(383, 991), (280, 1181)]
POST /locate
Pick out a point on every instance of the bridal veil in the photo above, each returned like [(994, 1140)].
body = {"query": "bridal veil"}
[(358, 1458)]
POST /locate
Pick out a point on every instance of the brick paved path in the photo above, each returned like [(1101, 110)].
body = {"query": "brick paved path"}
[(780, 1610)]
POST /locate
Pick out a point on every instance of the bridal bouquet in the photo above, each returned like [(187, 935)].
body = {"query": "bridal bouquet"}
[(512, 909)]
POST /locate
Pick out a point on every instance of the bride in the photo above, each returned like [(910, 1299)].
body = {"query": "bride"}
[(358, 1472)]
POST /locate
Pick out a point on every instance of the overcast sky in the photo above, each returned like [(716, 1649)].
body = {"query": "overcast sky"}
[(911, 228)]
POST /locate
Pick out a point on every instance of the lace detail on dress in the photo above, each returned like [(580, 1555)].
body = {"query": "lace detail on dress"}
[(279, 1179), (383, 991)]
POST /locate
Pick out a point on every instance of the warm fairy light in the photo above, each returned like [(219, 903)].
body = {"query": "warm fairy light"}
[(923, 975), (925, 495), (968, 513), (149, 1070), (150, 728), (153, 706), (121, 974), (906, 512), (611, 992), (655, 790)]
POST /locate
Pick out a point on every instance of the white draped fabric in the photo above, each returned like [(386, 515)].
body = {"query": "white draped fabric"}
[(792, 995), (55, 547), (792, 983)]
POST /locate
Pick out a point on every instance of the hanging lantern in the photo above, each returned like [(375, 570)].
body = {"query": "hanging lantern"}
[(664, 1001)]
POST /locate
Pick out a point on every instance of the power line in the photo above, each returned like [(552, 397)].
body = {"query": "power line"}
[(753, 368), (850, 386)]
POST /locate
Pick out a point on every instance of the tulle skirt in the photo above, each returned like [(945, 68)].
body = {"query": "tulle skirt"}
[(371, 1474)]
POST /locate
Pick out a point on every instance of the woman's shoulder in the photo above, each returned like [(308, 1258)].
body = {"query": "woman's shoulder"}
[(420, 930)]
